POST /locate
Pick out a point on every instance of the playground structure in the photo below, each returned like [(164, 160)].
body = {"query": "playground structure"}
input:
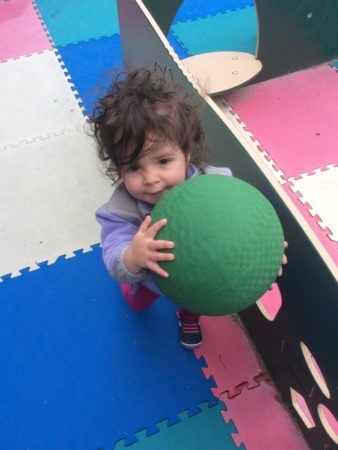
[(307, 318), (79, 370), (293, 35)]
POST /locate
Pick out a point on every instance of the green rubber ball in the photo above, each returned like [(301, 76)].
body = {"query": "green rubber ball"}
[(228, 244)]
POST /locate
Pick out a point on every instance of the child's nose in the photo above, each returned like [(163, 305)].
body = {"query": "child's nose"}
[(150, 177)]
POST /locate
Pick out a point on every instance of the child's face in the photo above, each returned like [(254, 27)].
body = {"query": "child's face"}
[(154, 173)]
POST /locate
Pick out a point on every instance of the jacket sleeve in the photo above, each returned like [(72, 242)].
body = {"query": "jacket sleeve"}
[(219, 171), (116, 234)]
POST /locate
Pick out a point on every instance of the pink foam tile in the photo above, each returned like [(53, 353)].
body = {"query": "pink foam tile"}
[(322, 234), (21, 32), (293, 117), (228, 353), (262, 421)]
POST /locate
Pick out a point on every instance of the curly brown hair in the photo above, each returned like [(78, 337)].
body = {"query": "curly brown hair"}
[(140, 104)]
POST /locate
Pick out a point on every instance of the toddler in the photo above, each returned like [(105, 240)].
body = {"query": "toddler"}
[(151, 140)]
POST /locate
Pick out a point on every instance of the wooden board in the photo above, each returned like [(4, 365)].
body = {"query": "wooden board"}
[(218, 72)]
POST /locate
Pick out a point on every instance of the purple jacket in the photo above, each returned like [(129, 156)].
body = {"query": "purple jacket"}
[(120, 219)]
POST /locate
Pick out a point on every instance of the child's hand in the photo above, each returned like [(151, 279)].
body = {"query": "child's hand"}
[(143, 252), (284, 261)]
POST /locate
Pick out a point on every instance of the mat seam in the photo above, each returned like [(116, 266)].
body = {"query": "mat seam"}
[(165, 423), (68, 77), (39, 15), (49, 262), (306, 203), (42, 137), (229, 10), (263, 153)]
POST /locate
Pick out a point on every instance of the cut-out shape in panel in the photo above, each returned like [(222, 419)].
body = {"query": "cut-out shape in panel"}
[(270, 303), (315, 370), (329, 422), (299, 404)]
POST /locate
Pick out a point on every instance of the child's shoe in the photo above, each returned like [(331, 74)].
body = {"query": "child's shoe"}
[(190, 330)]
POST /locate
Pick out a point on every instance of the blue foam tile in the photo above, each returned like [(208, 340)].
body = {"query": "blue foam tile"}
[(232, 31), (198, 9), (205, 430), (179, 50), (79, 369), (79, 20), (91, 66)]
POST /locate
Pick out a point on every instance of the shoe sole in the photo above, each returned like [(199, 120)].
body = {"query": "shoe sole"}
[(190, 346)]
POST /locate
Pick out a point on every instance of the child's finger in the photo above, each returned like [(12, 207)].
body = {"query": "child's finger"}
[(286, 244), (160, 256), (154, 267), (155, 228), (158, 245), (284, 259), (280, 272), (145, 224)]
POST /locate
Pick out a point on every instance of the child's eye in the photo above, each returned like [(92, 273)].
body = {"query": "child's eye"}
[(132, 168), (164, 161)]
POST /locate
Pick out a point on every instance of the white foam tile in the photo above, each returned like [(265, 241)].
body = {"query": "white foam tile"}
[(320, 191), (36, 99), (49, 191)]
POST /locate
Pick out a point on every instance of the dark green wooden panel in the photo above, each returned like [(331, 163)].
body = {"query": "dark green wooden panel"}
[(163, 11), (295, 34)]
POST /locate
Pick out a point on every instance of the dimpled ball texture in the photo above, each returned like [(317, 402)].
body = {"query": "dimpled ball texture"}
[(228, 244)]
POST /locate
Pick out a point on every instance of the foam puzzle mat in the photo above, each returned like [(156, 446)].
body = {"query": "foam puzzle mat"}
[(83, 370), (219, 32), (298, 144), (79, 369)]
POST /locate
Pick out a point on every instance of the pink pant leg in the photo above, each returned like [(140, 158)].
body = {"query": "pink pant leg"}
[(184, 314), (141, 299)]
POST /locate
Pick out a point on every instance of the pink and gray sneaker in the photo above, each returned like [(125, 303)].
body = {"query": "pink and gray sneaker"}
[(190, 330)]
